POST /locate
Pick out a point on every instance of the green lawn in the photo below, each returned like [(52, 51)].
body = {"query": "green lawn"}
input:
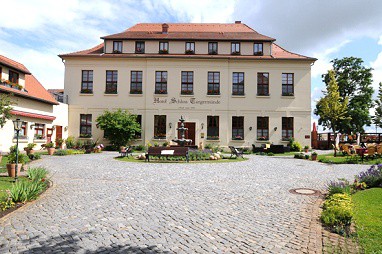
[(2, 164), (342, 159), (368, 219), (131, 159)]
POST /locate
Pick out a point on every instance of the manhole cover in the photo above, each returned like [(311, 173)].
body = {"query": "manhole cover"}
[(304, 191)]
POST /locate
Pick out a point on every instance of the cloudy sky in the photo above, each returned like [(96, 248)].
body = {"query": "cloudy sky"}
[(324, 29)]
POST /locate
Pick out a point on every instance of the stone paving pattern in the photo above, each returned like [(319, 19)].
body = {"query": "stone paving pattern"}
[(99, 204)]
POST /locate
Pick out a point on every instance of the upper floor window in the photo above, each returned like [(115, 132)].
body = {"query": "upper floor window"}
[(258, 49), (287, 128), (212, 48), (39, 131), (85, 125), (263, 83), (161, 82), (117, 46), (13, 77), (235, 48), (87, 81), (238, 83), (212, 127), (262, 128), (111, 82), (139, 47), (163, 47), (287, 84), (159, 126), (238, 127), (187, 82), (136, 82), (190, 47), (213, 83)]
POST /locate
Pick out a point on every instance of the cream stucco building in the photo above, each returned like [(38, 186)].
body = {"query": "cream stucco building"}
[(44, 119), (233, 85)]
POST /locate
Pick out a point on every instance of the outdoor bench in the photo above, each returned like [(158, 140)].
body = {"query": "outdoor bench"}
[(167, 151), (126, 151), (236, 152)]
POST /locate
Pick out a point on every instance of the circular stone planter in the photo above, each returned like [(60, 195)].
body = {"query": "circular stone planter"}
[(305, 191)]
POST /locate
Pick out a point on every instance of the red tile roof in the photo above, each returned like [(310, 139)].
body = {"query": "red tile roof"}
[(13, 64), (32, 115), (191, 31)]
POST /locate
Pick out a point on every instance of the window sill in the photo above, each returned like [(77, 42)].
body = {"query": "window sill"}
[(213, 95), (110, 94), (20, 140), (263, 96), (262, 141), (238, 140), (39, 141), (136, 94), (159, 139), (187, 95), (161, 94), (287, 96), (284, 141), (85, 138), (86, 94), (237, 96), (213, 140)]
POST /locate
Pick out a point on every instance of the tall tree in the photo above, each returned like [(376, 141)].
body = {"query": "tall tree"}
[(378, 107), (354, 82), (5, 108), (333, 109), (119, 126)]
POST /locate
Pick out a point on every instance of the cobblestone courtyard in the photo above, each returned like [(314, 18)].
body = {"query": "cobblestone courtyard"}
[(98, 204)]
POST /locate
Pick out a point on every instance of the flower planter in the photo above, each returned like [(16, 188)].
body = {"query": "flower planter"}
[(12, 169), (51, 150), (314, 157), (28, 151)]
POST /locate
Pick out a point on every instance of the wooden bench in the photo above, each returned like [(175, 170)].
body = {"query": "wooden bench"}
[(236, 152), (126, 151), (167, 151)]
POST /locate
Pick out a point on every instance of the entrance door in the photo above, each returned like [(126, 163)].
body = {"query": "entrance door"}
[(58, 133), (190, 133)]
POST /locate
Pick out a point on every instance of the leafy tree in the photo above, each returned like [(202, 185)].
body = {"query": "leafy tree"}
[(5, 109), (378, 109), (119, 126), (355, 83), (331, 108)]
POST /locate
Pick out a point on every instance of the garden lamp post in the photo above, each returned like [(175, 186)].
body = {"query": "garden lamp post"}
[(17, 126)]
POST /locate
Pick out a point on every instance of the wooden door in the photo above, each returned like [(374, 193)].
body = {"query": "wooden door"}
[(190, 133), (58, 133)]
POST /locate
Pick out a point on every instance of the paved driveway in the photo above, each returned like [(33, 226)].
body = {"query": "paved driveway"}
[(98, 204)]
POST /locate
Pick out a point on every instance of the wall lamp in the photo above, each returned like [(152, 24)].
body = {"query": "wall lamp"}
[(170, 125), (66, 128), (275, 129), (31, 126), (250, 128), (202, 125)]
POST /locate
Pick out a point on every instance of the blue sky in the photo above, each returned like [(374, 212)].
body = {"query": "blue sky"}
[(323, 29)]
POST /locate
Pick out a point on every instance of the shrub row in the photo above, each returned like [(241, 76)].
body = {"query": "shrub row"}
[(337, 213)]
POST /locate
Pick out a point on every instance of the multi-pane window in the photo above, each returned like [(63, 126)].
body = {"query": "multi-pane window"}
[(287, 128), (212, 48), (23, 131), (85, 125), (262, 83), (238, 127), (117, 46), (238, 83), (235, 48), (139, 47), (287, 84), (258, 49), (111, 82), (212, 127), (163, 47), (87, 81), (190, 47), (136, 82), (159, 126), (13, 77), (262, 128), (39, 131), (187, 82), (213, 83), (161, 82), (138, 134)]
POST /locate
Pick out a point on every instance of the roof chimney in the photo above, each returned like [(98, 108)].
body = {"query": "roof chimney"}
[(164, 28), (238, 22)]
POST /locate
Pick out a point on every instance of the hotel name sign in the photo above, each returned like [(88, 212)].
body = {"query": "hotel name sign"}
[(183, 102)]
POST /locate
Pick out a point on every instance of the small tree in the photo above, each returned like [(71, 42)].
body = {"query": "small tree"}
[(5, 109), (378, 108), (119, 126), (331, 109)]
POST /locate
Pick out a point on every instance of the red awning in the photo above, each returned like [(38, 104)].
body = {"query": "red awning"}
[(32, 115)]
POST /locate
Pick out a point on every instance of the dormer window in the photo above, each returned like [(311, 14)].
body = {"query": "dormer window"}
[(163, 47), (235, 48), (13, 77), (258, 49), (117, 47), (212, 48), (190, 47), (139, 47)]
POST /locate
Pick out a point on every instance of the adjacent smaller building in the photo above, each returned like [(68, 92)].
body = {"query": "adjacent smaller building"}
[(44, 118)]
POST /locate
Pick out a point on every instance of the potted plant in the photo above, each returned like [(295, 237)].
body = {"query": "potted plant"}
[(60, 142), (314, 156), (29, 148), (11, 165), (306, 148), (50, 148)]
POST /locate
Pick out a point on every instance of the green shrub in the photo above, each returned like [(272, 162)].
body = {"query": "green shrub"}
[(208, 146), (299, 156), (61, 152), (342, 187), (306, 156), (37, 174), (139, 148), (270, 154), (34, 156), (165, 144), (337, 213), (23, 191), (6, 204), (70, 142)]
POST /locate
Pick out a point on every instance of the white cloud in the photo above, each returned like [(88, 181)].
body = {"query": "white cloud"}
[(377, 71)]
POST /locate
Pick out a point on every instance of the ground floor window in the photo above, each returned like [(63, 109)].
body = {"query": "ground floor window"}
[(138, 134), (39, 131), (86, 125), (23, 131), (159, 126), (287, 128), (238, 127), (212, 127), (262, 128)]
